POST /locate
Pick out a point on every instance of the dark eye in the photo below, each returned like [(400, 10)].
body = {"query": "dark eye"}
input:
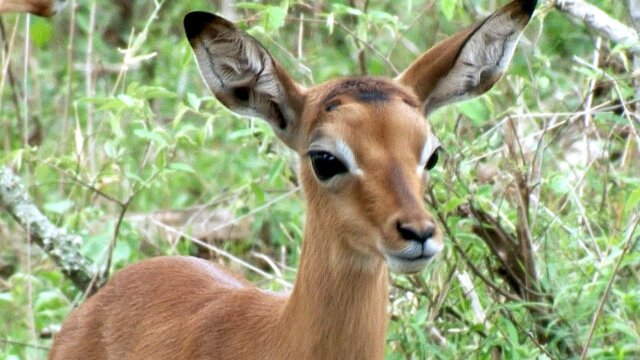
[(326, 165), (433, 160)]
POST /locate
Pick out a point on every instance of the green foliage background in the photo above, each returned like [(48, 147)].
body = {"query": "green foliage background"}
[(108, 116)]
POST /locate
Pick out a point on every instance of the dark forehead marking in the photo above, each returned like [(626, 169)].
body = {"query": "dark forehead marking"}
[(366, 90)]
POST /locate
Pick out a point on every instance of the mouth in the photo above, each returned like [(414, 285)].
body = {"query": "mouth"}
[(407, 265), (415, 258), (412, 259)]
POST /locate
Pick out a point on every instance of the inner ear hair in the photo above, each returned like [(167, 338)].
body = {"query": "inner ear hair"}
[(470, 62), (242, 74)]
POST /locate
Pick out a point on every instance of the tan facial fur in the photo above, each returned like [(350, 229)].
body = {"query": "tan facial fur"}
[(383, 140)]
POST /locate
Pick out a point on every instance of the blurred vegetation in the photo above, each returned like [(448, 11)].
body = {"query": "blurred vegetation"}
[(106, 118)]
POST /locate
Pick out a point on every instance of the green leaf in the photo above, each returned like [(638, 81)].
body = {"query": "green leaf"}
[(93, 246), (182, 167), (258, 193), (420, 333), (448, 7), (274, 17), (453, 204), (348, 10), (6, 297), (511, 332), (134, 177), (122, 252), (244, 133), (275, 170), (420, 317), (194, 101), (485, 191), (51, 299), (543, 82), (41, 31), (59, 207), (151, 136), (152, 92), (632, 201), (560, 184), (111, 150), (382, 17), (161, 159), (476, 110), (128, 100)]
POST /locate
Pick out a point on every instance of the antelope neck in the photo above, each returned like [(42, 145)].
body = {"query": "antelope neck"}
[(337, 309)]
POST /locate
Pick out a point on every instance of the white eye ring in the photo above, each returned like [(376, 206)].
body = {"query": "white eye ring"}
[(340, 150)]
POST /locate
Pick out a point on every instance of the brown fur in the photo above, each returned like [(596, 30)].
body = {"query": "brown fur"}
[(173, 307), (184, 308)]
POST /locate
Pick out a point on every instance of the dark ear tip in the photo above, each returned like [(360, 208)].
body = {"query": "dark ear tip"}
[(195, 22), (528, 5)]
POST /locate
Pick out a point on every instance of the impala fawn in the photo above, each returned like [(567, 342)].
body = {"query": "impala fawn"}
[(366, 150)]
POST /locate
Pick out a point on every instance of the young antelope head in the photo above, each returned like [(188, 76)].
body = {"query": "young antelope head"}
[(365, 145), (366, 154)]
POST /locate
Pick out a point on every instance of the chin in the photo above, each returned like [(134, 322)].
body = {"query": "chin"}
[(406, 266)]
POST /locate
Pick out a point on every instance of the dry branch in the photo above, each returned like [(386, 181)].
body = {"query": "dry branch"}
[(56, 242), (202, 222), (634, 12), (601, 22)]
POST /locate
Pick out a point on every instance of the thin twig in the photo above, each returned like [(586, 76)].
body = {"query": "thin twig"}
[(17, 343), (70, 50), (76, 179), (90, 87), (16, 91), (630, 243), (223, 253), (114, 238), (25, 129), (464, 255)]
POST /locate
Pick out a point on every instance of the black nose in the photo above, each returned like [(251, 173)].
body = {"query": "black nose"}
[(415, 233)]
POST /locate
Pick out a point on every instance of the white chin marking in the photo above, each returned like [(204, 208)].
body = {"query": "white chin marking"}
[(432, 248), (406, 266)]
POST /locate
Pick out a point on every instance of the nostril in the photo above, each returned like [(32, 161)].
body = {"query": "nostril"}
[(406, 233), (409, 232), (428, 232)]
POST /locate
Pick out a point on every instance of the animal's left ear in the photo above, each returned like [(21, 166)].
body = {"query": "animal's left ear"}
[(243, 75), (468, 63)]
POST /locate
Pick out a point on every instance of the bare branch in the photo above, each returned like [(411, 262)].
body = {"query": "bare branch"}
[(634, 12), (56, 242), (601, 22)]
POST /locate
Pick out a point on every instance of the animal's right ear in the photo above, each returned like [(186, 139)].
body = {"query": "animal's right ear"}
[(470, 62), (243, 75)]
